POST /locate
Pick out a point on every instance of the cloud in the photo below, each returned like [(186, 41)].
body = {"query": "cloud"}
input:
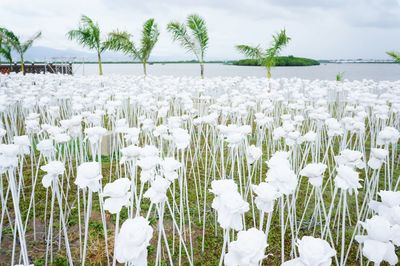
[(319, 28)]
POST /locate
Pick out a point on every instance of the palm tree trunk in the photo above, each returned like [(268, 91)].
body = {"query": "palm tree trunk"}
[(202, 70), (100, 65), (145, 69), (22, 64), (268, 72)]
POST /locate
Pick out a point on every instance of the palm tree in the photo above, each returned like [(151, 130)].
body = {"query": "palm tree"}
[(196, 41), (268, 57), (88, 35), (394, 55), (14, 42), (121, 41)]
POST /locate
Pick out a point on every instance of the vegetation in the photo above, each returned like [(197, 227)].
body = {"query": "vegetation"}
[(196, 41), (5, 50), (10, 41), (268, 57), (339, 76), (279, 61), (395, 55), (121, 41), (88, 35)]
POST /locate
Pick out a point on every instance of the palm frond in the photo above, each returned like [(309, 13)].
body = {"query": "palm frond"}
[(150, 35), (28, 43), (180, 34), (87, 34), (5, 52), (12, 39), (395, 55), (120, 41), (280, 40), (199, 31), (252, 52)]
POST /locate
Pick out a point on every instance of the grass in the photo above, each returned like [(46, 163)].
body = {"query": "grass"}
[(213, 237)]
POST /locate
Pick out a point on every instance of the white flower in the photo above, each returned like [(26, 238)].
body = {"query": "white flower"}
[(377, 158), (350, 158), (132, 135), (94, 134), (266, 195), (389, 207), (389, 135), (170, 166), (118, 195), (253, 154), (347, 178), (133, 240), (293, 138), (88, 176), (314, 172), (280, 175), (23, 144), (130, 153), (181, 138), (61, 138), (230, 207), (53, 170), (157, 193), (8, 156), (46, 147), (377, 244), (220, 186), (248, 249), (312, 252)]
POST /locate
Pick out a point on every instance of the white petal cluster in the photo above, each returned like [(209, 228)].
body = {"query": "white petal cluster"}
[(248, 249), (117, 195), (229, 204), (133, 240), (314, 172), (88, 176), (312, 252)]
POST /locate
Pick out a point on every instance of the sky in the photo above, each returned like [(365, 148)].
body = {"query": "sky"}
[(320, 29)]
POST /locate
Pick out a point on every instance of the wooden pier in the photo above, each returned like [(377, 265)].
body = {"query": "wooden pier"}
[(39, 68)]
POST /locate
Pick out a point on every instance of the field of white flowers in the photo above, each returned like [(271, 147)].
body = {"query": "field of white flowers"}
[(103, 170)]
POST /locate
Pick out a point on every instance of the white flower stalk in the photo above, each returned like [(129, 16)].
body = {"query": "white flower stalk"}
[(117, 195), (88, 176), (312, 252), (133, 240), (378, 244), (377, 158), (248, 249), (314, 172)]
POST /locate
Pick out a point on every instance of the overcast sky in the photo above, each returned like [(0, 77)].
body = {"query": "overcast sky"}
[(321, 29)]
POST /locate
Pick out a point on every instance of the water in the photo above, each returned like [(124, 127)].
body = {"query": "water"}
[(323, 71)]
